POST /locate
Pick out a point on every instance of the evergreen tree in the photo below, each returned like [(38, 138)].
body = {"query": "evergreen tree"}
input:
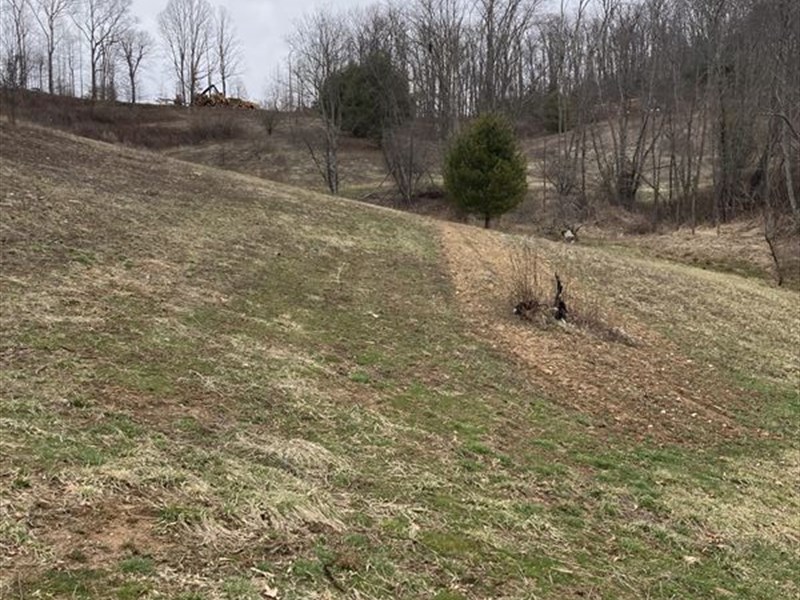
[(484, 171), (373, 95)]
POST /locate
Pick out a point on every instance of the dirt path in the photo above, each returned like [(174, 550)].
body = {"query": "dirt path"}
[(649, 389)]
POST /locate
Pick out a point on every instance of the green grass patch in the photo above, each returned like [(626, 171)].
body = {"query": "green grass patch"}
[(137, 565)]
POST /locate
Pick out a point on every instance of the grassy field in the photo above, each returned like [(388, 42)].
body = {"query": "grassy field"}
[(213, 386), (237, 140)]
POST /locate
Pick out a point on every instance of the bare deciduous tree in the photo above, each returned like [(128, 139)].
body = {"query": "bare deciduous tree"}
[(227, 49), (438, 47), (503, 25), (186, 27), (627, 71), (49, 14), (321, 47), (270, 114), (566, 108), (16, 31), (408, 157), (135, 45), (101, 23), (9, 83)]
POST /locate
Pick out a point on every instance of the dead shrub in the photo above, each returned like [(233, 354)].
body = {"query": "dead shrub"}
[(270, 118), (408, 158), (543, 297), (219, 126), (525, 274), (638, 223), (528, 291)]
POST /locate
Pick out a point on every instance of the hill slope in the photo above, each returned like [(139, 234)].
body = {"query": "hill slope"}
[(218, 387)]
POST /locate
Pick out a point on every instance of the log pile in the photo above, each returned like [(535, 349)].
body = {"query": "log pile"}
[(212, 97)]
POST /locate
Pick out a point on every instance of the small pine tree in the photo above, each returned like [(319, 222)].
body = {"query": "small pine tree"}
[(484, 172)]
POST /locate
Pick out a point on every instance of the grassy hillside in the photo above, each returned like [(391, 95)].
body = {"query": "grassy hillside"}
[(212, 386), (237, 140)]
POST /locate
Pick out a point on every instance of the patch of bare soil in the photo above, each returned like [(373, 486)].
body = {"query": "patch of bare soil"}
[(65, 526), (648, 389), (101, 535)]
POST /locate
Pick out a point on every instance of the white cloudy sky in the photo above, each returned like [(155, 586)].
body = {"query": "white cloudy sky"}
[(262, 26)]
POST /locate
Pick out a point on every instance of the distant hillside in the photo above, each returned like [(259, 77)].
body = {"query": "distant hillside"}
[(237, 140)]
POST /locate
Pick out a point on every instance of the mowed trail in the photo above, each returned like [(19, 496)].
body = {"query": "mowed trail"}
[(651, 388)]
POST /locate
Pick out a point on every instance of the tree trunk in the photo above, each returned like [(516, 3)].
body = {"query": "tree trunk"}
[(50, 81), (93, 60), (331, 160), (787, 168), (486, 221)]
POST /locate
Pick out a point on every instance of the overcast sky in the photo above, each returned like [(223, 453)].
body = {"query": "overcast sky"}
[(262, 26)]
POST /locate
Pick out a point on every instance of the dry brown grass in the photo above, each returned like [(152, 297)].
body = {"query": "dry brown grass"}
[(653, 386), (140, 125)]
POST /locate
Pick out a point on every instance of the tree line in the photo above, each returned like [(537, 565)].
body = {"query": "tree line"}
[(655, 96), (690, 105), (95, 48)]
